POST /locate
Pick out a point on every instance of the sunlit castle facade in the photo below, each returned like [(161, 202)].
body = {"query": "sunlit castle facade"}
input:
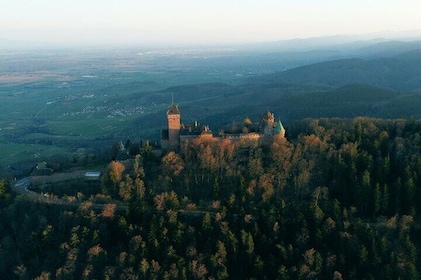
[(174, 126), (176, 133)]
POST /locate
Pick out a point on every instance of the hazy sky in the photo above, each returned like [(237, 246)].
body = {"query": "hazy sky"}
[(174, 22)]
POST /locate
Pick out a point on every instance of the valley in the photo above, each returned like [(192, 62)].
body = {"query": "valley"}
[(59, 101)]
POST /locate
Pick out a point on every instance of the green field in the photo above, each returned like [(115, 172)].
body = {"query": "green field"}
[(10, 153)]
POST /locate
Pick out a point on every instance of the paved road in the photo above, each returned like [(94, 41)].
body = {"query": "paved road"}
[(22, 186)]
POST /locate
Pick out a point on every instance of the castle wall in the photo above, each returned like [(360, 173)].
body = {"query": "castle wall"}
[(172, 137)]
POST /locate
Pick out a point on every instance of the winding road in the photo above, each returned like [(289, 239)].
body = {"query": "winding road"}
[(22, 187)]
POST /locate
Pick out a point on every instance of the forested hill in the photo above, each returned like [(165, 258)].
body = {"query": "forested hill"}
[(221, 104), (401, 72), (340, 200), (389, 48)]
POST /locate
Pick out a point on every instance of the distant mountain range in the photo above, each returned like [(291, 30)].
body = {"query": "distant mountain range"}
[(338, 42), (365, 85), (389, 48), (400, 72)]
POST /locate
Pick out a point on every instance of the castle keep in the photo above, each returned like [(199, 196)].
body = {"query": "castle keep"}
[(176, 133)]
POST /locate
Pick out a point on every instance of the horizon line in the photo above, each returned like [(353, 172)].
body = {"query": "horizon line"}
[(387, 35)]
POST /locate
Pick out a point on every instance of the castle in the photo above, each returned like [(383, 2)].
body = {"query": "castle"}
[(177, 133)]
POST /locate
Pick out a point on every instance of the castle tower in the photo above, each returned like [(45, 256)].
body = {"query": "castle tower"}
[(174, 126), (267, 123)]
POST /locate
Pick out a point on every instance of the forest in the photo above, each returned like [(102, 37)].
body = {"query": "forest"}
[(337, 199)]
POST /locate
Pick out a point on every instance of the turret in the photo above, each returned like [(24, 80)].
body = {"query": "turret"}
[(279, 129)]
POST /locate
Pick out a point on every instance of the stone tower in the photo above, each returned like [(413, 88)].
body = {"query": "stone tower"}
[(174, 126), (267, 123)]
